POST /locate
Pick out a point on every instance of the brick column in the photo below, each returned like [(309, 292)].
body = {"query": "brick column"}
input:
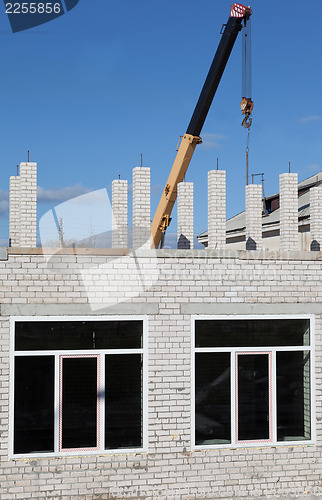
[(14, 211), (28, 204), (254, 208), (289, 239), (119, 214), (185, 215), (216, 209), (141, 207), (316, 217)]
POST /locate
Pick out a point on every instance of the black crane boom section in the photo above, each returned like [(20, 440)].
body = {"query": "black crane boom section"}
[(233, 27)]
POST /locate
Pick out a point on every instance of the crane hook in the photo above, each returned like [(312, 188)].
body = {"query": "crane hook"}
[(247, 121)]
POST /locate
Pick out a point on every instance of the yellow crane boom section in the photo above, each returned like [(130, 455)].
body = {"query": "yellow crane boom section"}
[(161, 219)]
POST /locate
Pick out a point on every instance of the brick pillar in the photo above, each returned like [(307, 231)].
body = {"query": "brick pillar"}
[(119, 213), (289, 239), (141, 207), (216, 209), (14, 211), (316, 217), (28, 204), (254, 208), (185, 215)]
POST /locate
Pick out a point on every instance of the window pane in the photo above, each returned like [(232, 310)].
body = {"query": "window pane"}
[(212, 399), (54, 335), (252, 333), (253, 397), (79, 403), (293, 396), (123, 401), (34, 404)]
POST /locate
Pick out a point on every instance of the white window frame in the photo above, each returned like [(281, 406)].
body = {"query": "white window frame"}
[(263, 349), (58, 354)]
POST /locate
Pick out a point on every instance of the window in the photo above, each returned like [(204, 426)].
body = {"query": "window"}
[(77, 385), (253, 380)]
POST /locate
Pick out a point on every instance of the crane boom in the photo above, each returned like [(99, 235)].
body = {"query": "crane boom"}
[(191, 138)]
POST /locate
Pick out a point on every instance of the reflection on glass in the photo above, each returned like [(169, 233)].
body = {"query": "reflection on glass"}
[(123, 401), (212, 398), (252, 333), (79, 403), (61, 335), (253, 397), (34, 404), (293, 396)]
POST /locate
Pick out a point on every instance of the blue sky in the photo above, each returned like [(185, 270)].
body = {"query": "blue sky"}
[(90, 91)]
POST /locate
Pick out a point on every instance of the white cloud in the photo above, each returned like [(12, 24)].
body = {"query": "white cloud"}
[(212, 141), (312, 118), (61, 194)]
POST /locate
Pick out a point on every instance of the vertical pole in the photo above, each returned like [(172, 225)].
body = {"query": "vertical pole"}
[(61, 237)]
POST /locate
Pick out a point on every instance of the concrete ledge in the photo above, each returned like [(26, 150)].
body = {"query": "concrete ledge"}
[(243, 308), (172, 253), (77, 309), (67, 251)]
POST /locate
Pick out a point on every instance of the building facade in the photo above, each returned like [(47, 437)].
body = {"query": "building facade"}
[(160, 373)]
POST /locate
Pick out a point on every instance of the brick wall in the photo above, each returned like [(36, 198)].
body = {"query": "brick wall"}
[(186, 283)]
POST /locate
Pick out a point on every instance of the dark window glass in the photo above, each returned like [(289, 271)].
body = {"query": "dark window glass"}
[(64, 335), (252, 333), (123, 401), (253, 397), (34, 404), (79, 403), (293, 396), (212, 399)]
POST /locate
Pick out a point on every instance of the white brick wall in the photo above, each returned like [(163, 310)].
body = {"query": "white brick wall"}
[(14, 211), (254, 208), (316, 217), (119, 213), (219, 281), (141, 207), (289, 211), (23, 206), (185, 215), (216, 209)]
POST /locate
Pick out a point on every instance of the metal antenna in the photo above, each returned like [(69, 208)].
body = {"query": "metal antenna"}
[(61, 233), (17, 170), (28, 155), (141, 160), (289, 167), (217, 163)]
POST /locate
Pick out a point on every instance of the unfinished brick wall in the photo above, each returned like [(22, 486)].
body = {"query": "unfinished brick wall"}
[(216, 209), (141, 207), (316, 217), (185, 215), (23, 206), (119, 213), (289, 239), (14, 211), (254, 209)]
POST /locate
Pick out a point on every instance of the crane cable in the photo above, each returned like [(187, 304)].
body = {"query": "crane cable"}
[(247, 151), (246, 104)]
